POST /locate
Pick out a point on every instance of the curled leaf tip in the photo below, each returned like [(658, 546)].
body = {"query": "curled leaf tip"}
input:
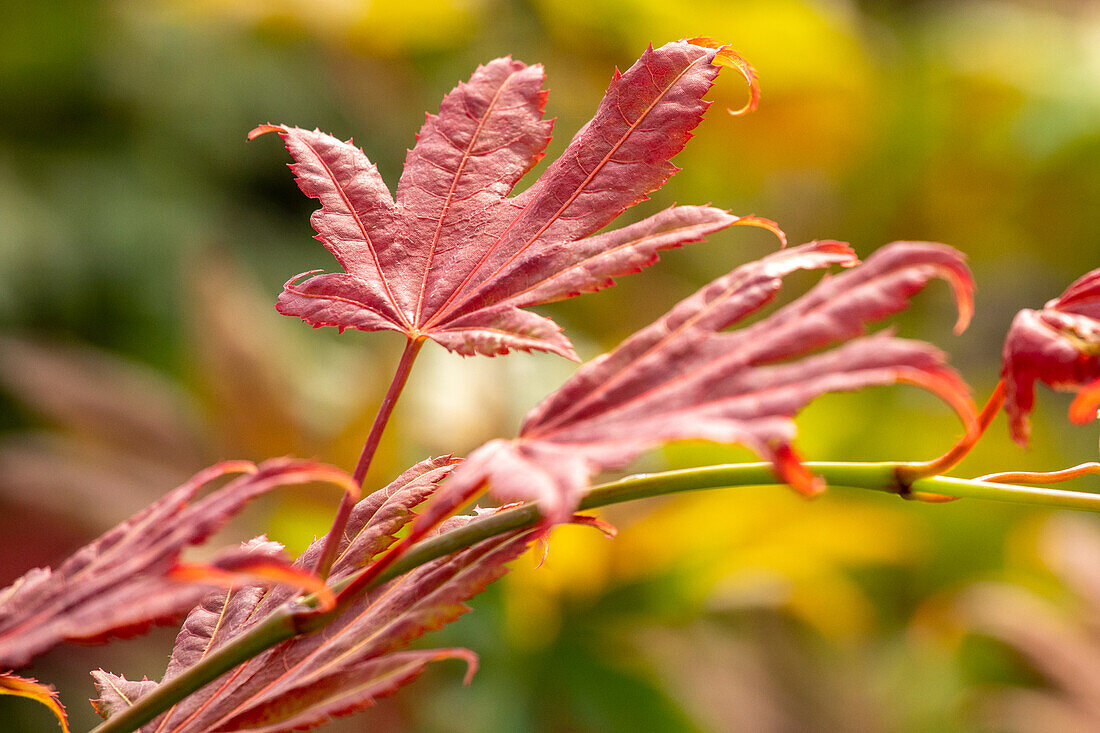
[(758, 221), (541, 546), (1086, 405), (263, 130), (949, 265), (725, 56), (31, 688), (963, 287), (471, 664), (610, 531)]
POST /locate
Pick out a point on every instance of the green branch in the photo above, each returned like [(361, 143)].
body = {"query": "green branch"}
[(285, 624)]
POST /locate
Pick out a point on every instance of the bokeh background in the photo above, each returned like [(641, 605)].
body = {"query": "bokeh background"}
[(142, 244)]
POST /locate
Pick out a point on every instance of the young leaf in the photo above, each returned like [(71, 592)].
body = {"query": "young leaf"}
[(121, 583), (356, 658), (682, 377), (454, 259), (1058, 345)]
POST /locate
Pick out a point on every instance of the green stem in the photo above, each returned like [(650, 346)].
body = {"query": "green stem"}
[(278, 627), (340, 521), (870, 476), (285, 624)]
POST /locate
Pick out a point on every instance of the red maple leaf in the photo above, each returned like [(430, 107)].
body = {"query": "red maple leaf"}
[(1058, 345), (454, 259), (131, 577), (358, 657), (683, 377)]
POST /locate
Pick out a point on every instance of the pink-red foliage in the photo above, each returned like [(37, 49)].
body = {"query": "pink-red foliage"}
[(454, 259), (356, 658), (1058, 345), (121, 583), (683, 377)]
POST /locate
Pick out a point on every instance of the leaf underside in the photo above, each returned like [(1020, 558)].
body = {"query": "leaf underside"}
[(684, 377), (453, 258)]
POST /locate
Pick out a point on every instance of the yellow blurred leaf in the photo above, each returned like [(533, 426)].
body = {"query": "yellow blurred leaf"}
[(381, 27)]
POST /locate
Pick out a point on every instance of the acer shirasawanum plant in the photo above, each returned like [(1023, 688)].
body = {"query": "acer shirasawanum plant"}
[(277, 645)]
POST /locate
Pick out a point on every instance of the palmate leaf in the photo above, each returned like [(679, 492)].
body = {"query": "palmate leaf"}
[(1058, 345), (683, 377), (131, 577), (355, 659), (454, 259)]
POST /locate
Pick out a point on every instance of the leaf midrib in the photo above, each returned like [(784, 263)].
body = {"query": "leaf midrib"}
[(454, 186)]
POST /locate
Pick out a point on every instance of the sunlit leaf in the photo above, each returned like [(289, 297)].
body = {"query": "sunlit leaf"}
[(683, 377), (454, 259)]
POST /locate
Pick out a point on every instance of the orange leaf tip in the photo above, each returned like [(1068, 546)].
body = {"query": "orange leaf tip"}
[(758, 221), (263, 130), (257, 570), (725, 56), (11, 684), (963, 289), (1086, 404), (791, 469), (471, 661), (541, 548), (609, 530)]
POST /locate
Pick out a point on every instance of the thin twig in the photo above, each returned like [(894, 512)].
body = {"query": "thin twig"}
[(911, 471), (381, 419)]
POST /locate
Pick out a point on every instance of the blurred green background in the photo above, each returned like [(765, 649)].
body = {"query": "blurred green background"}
[(143, 242)]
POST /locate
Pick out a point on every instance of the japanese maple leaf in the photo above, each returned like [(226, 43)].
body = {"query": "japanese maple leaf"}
[(684, 377), (454, 259), (130, 577), (1058, 345), (355, 659)]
